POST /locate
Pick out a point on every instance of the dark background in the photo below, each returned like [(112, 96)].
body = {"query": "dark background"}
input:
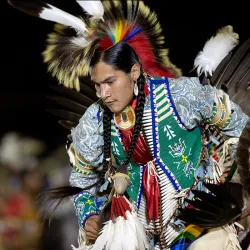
[(24, 78)]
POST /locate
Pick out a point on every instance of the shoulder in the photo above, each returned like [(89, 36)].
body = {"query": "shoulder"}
[(191, 88), (93, 113), (184, 83)]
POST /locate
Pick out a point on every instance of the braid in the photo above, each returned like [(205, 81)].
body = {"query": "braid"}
[(107, 115), (139, 114)]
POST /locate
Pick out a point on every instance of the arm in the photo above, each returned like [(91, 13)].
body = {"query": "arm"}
[(86, 157), (196, 103)]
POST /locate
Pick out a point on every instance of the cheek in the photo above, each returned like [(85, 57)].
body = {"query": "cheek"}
[(124, 90), (126, 94)]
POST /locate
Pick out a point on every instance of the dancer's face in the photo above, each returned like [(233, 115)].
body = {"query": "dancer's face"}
[(115, 87)]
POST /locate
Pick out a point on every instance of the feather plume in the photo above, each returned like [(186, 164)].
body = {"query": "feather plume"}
[(50, 13), (215, 50), (122, 232), (106, 235), (131, 232), (66, 58), (94, 8), (222, 206), (141, 234), (59, 16), (69, 52)]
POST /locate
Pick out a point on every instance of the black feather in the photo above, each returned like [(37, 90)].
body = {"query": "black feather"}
[(232, 64), (204, 205), (208, 198), (68, 103), (74, 95), (68, 115), (233, 76), (240, 72), (33, 8), (87, 88), (221, 206), (76, 102), (67, 124), (243, 158), (227, 192), (218, 72), (206, 220)]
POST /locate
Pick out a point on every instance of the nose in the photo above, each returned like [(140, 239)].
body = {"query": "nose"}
[(104, 91)]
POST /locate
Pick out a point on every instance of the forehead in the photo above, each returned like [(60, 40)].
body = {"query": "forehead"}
[(101, 71)]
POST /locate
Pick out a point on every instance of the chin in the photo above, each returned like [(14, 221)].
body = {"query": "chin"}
[(115, 110)]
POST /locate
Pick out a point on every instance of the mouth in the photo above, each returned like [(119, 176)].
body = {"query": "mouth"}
[(109, 104)]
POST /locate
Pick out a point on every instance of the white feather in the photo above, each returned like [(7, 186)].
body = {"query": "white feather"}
[(82, 241), (215, 50), (94, 8), (105, 237), (131, 230), (59, 16), (141, 233), (122, 235), (119, 235)]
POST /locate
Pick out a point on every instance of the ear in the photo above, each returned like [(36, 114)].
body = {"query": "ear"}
[(135, 71)]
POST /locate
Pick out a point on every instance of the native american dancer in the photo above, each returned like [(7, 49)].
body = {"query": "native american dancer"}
[(135, 150)]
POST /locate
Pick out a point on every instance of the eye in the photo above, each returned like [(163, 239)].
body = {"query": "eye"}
[(110, 81)]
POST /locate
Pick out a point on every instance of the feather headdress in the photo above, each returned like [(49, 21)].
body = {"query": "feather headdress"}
[(73, 43)]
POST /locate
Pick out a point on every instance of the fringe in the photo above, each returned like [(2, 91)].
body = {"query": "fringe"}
[(233, 242), (82, 241)]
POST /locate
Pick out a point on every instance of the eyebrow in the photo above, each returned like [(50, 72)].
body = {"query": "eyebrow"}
[(107, 79)]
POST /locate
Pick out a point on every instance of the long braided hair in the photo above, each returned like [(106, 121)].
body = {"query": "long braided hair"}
[(107, 116)]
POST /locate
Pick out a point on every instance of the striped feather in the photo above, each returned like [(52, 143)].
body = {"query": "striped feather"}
[(49, 12)]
